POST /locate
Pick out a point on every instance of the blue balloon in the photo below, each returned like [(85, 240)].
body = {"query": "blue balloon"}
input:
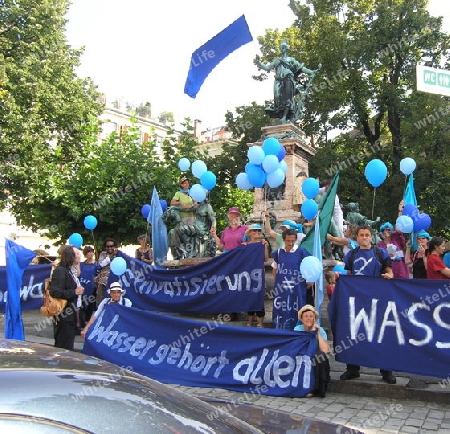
[(163, 204), (375, 172), (184, 164), (283, 166), (405, 224), (208, 180), (198, 168), (276, 178), (410, 210), (311, 268), (271, 146), (422, 221), (256, 175), (198, 193), (310, 188), (242, 181), (118, 266), (256, 154), (76, 240), (270, 163), (145, 210), (281, 153), (407, 166), (340, 268), (309, 209), (90, 222)]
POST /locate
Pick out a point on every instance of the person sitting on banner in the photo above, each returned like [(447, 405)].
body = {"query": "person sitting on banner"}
[(116, 293), (436, 269), (367, 260), (419, 257), (233, 234), (308, 316), (104, 261), (287, 224), (65, 285), (289, 286), (394, 242), (254, 232), (144, 253)]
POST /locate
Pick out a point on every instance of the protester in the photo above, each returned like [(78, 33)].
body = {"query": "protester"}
[(65, 285), (348, 241), (184, 201), (88, 269), (330, 277), (367, 260), (287, 224), (419, 258), (104, 260), (144, 253), (116, 293), (290, 286), (254, 232), (436, 269), (308, 316), (394, 242), (233, 234)]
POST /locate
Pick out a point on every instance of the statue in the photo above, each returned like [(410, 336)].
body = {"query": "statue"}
[(354, 217), (191, 240), (287, 86)]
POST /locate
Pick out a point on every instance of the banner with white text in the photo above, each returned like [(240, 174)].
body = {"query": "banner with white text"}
[(399, 324), (204, 354), (231, 282)]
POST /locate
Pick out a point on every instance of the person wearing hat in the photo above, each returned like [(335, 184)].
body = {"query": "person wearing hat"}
[(116, 294), (419, 257), (287, 224), (184, 201), (308, 315), (233, 234), (254, 233)]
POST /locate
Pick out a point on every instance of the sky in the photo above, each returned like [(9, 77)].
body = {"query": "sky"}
[(140, 50)]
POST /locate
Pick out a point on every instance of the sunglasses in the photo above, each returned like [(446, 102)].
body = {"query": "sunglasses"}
[(108, 246)]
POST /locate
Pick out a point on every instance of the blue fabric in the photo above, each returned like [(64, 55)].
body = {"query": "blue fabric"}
[(317, 252), (398, 324), (160, 243), (204, 354), (409, 198), (365, 262), (88, 272), (446, 260), (17, 259), (231, 282), (210, 54)]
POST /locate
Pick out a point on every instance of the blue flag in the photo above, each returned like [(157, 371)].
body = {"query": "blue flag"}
[(17, 259), (210, 54), (317, 252), (160, 243), (409, 198)]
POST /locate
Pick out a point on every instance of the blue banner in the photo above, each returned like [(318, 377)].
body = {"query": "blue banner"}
[(231, 282), (88, 272), (204, 354), (399, 324), (32, 288)]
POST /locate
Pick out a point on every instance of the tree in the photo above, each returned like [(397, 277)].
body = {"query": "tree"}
[(43, 102), (166, 117), (369, 51)]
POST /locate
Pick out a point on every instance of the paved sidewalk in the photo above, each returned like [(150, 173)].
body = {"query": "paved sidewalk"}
[(415, 404)]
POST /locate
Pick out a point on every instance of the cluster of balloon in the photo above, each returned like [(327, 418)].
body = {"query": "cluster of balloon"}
[(420, 220), (266, 164), (310, 189), (207, 178), (118, 266), (146, 208), (311, 269)]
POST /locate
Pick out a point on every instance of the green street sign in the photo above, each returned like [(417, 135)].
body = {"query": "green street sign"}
[(433, 80)]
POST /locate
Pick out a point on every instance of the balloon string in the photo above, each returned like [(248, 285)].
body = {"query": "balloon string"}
[(373, 202), (93, 242), (404, 189)]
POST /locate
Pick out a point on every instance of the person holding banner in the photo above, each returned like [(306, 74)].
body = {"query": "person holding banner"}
[(367, 260), (233, 234), (419, 258), (436, 269), (104, 260), (290, 286)]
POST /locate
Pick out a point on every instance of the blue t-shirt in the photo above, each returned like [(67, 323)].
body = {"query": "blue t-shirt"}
[(301, 328), (365, 261)]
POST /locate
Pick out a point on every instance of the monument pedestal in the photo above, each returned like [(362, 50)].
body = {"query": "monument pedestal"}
[(298, 153)]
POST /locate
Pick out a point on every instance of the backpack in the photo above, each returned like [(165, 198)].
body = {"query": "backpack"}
[(375, 248), (51, 306)]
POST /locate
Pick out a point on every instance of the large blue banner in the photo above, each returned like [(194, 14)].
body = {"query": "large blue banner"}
[(32, 288), (399, 324), (231, 282), (204, 354)]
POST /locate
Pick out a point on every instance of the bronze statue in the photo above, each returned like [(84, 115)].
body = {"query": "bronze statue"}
[(354, 217), (286, 86), (191, 240)]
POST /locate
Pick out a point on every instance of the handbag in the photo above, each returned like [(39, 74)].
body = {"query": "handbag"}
[(51, 306)]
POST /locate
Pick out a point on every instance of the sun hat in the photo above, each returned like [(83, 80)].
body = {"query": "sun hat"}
[(116, 286), (289, 224), (183, 178), (253, 228), (306, 308), (386, 225), (234, 210)]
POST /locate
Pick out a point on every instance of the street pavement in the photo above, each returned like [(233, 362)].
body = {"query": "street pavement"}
[(416, 404)]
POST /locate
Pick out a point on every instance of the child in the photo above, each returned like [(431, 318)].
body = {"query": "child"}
[(331, 282)]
